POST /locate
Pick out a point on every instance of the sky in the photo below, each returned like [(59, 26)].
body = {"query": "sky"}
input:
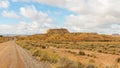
[(36, 16)]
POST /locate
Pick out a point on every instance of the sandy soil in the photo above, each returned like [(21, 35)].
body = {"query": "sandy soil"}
[(13, 56), (102, 60)]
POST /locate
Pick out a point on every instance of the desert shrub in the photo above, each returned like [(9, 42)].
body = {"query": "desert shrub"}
[(71, 52), (43, 47), (35, 53), (100, 51), (28, 47), (49, 57), (118, 60), (81, 53), (25, 45), (46, 56), (91, 61), (91, 66), (66, 63), (91, 55), (4, 39), (112, 66)]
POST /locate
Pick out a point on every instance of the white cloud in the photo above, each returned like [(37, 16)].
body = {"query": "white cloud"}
[(58, 3), (91, 23), (4, 4), (93, 15), (10, 14), (29, 12), (32, 13), (73, 5), (40, 21), (35, 27), (50, 2), (4, 29), (82, 6), (26, 28)]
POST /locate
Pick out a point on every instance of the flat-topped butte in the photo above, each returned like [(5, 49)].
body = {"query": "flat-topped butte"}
[(57, 31)]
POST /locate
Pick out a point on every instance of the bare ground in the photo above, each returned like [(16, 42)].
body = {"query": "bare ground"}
[(13, 56), (102, 60)]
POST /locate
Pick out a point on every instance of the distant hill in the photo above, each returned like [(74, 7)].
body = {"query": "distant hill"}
[(116, 35), (63, 35)]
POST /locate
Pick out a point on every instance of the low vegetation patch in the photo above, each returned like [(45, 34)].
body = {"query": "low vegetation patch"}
[(49, 56), (3, 39), (46, 56), (39, 46), (118, 60), (72, 52), (81, 53), (90, 66), (66, 63)]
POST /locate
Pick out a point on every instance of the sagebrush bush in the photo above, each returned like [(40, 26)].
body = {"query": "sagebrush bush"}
[(46, 56), (66, 63), (81, 53), (72, 52), (91, 61), (91, 66), (118, 60), (100, 51)]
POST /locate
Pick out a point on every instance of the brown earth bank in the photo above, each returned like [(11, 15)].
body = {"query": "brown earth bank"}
[(13, 56)]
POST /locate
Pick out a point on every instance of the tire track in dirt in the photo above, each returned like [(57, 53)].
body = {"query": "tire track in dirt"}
[(14, 56)]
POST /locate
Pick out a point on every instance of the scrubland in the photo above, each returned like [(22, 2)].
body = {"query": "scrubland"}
[(82, 50), (3, 39)]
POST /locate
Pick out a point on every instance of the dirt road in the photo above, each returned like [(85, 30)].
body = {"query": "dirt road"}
[(13, 56)]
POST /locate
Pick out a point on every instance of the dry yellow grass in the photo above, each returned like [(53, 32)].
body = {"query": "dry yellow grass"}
[(88, 49)]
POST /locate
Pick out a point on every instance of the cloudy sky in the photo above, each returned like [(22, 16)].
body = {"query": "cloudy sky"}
[(36, 16)]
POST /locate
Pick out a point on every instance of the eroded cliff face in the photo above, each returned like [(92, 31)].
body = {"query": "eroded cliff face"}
[(57, 31)]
